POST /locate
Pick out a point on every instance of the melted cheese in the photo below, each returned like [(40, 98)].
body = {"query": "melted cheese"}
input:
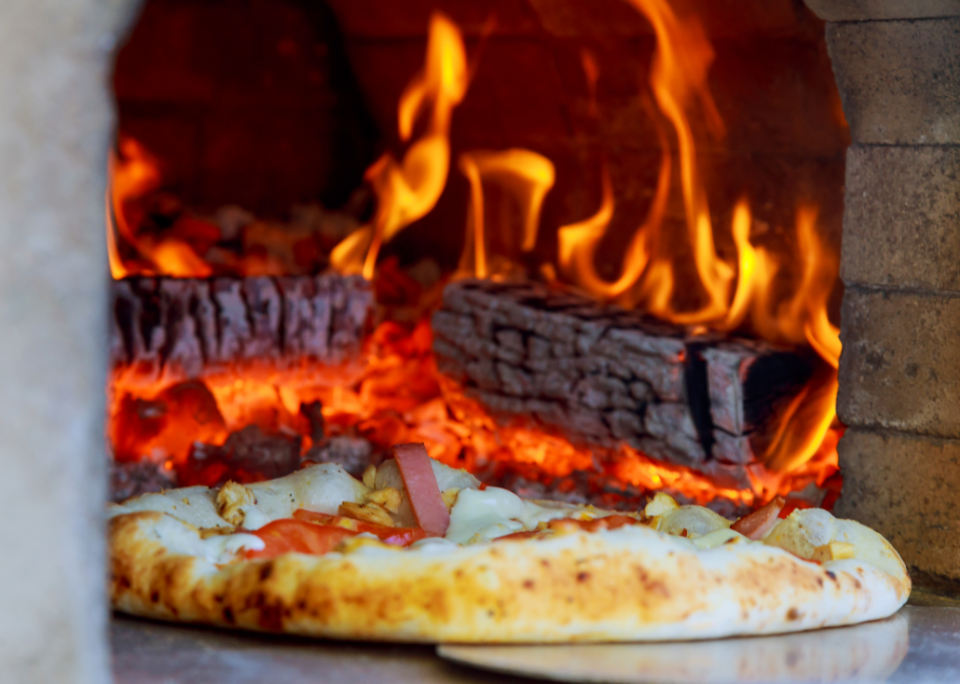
[(181, 538), (482, 515), (196, 505)]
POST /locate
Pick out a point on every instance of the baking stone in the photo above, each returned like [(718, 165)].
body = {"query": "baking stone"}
[(870, 651)]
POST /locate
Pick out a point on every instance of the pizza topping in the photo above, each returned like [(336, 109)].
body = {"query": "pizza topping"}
[(320, 488), (696, 520), (660, 504), (295, 536), (481, 515), (721, 537), (395, 536), (449, 497), (369, 512), (230, 498), (388, 497), (421, 484), (756, 525), (370, 476), (609, 522), (836, 550), (493, 513)]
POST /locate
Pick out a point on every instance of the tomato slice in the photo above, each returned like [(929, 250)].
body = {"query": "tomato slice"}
[(295, 536), (396, 536), (517, 536), (610, 522)]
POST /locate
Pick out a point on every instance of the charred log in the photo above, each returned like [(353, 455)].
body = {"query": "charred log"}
[(248, 455), (132, 478), (187, 328), (604, 375)]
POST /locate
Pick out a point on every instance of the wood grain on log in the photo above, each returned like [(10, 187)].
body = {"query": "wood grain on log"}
[(187, 328), (605, 375)]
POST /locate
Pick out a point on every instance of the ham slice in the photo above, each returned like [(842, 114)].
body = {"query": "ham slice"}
[(755, 525), (422, 488)]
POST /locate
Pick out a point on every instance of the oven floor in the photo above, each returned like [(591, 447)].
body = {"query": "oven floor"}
[(153, 653)]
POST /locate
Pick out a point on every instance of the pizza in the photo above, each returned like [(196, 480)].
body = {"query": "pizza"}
[(420, 552)]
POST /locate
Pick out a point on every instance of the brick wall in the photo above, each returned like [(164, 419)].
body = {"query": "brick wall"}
[(898, 68)]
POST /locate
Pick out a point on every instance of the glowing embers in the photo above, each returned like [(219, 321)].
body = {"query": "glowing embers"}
[(397, 395)]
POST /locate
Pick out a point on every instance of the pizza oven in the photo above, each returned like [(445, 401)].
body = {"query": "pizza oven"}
[(587, 251)]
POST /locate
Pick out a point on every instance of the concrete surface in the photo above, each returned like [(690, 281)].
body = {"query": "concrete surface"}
[(55, 124), (919, 645)]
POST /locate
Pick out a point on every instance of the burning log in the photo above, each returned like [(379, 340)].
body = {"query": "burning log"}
[(604, 375), (132, 478), (248, 455), (187, 328)]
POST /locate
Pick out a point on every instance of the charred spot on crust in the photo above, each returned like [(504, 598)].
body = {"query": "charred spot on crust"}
[(266, 571), (831, 575), (583, 576), (124, 582), (271, 618), (793, 614), (155, 596), (228, 615)]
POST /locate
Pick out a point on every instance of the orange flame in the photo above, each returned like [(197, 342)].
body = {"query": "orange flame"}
[(678, 76), (408, 189), (133, 173), (648, 275), (525, 175)]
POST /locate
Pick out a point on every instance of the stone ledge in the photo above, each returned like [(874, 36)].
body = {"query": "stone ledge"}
[(901, 224), (905, 488), (899, 80), (866, 10), (900, 367)]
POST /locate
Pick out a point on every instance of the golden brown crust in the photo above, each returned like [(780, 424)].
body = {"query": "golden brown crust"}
[(628, 584)]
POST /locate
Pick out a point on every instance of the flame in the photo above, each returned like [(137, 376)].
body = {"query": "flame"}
[(409, 188), (678, 77), (525, 175), (134, 173), (736, 295)]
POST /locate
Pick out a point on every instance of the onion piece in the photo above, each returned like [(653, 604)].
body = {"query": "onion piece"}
[(422, 488), (755, 525)]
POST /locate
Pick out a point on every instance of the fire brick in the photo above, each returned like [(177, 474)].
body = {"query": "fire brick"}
[(905, 488), (902, 217), (900, 80), (900, 367)]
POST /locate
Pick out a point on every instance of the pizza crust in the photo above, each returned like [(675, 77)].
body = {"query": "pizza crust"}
[(631, 583)]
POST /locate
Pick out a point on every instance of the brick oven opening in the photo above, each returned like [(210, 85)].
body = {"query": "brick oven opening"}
[(587, 254)]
